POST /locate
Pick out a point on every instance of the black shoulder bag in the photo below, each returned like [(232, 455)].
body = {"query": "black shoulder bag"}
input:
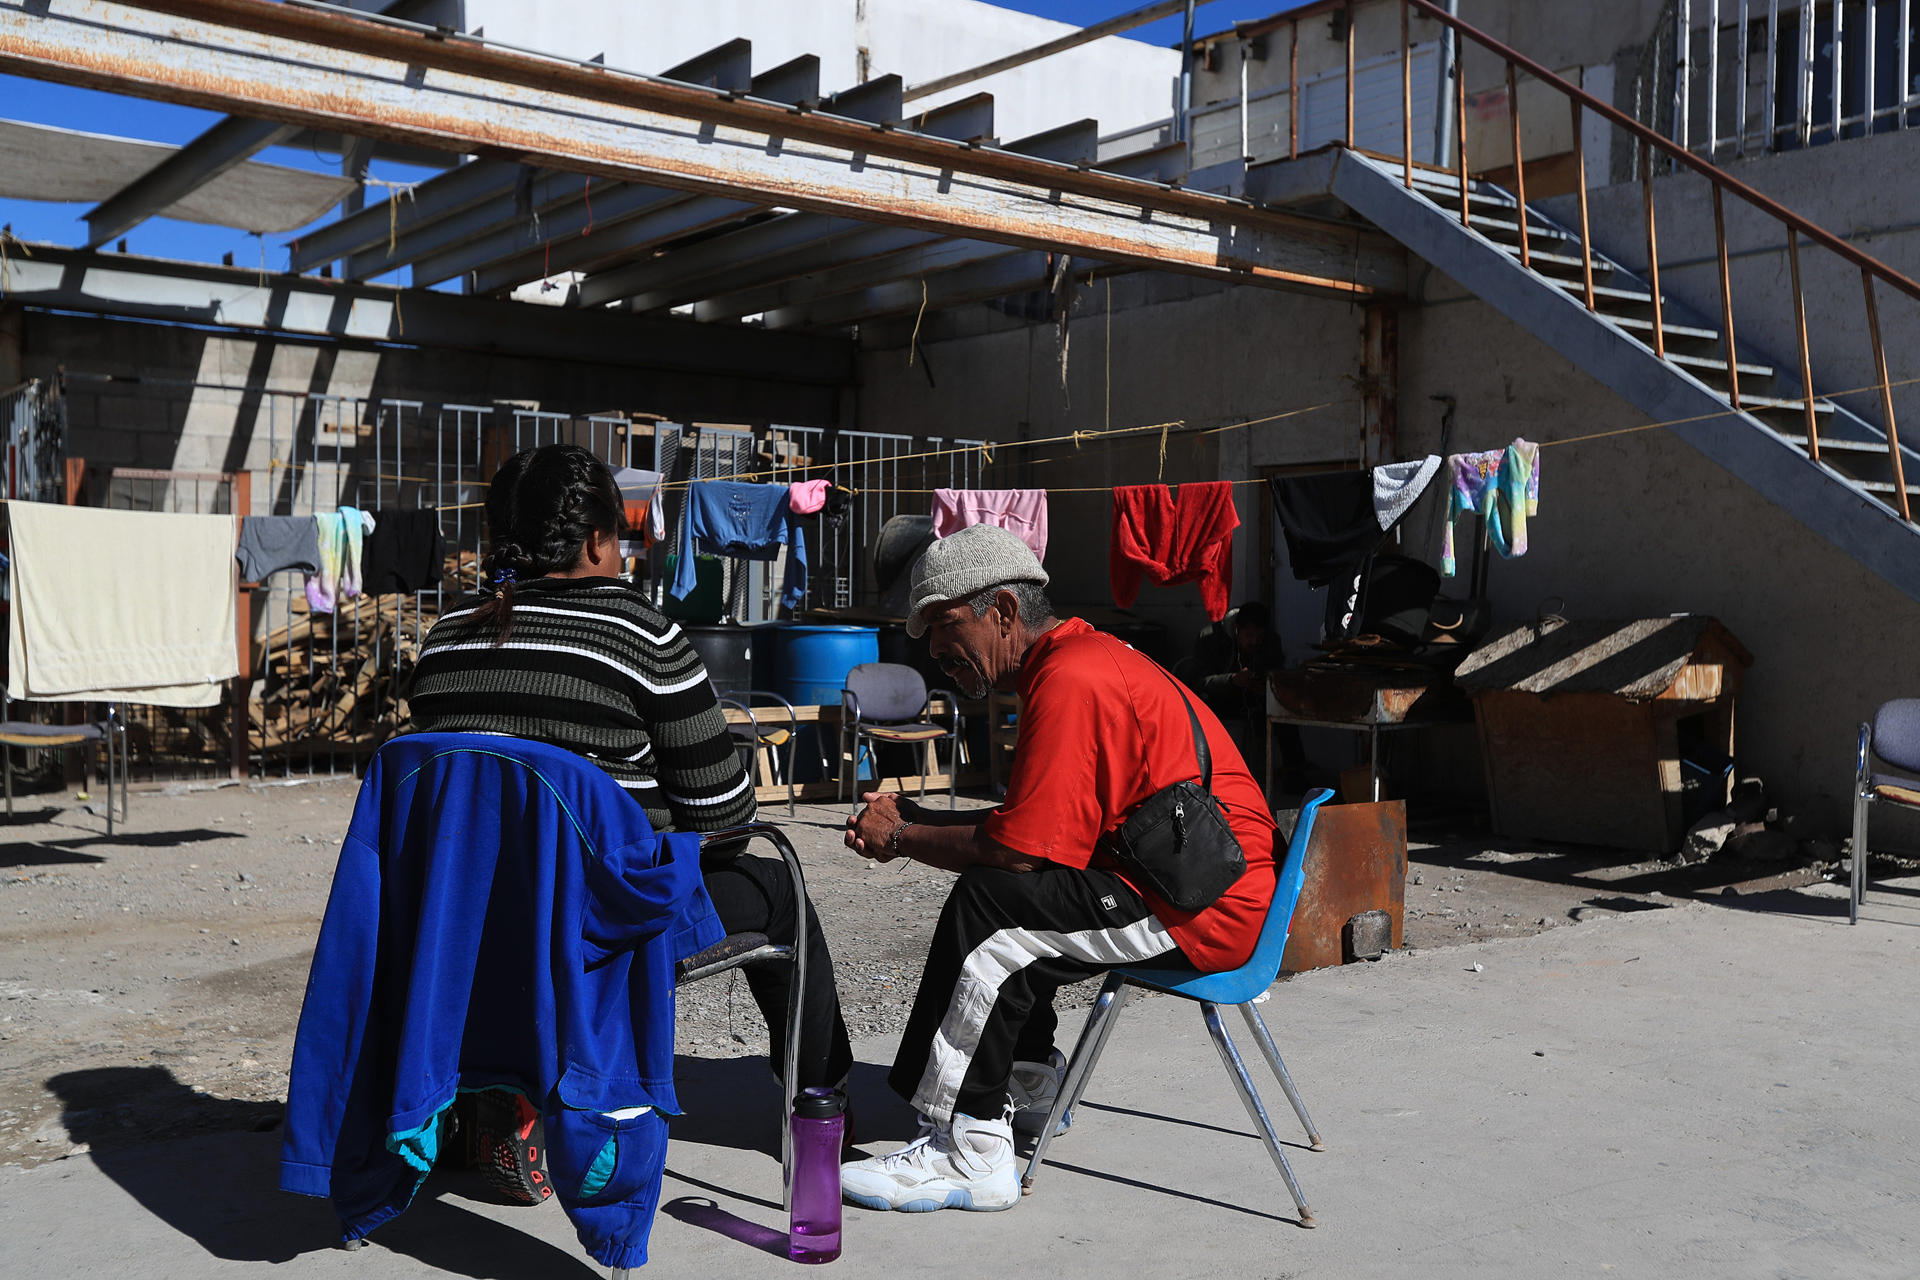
[(1177, 844)]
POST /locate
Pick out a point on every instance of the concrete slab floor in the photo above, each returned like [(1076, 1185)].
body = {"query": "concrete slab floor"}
[(1691, 1091)]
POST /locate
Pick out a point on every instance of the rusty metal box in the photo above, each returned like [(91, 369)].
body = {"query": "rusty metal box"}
[(1356, 861)]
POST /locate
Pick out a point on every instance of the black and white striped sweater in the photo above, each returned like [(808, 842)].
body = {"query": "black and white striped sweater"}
[(593, 667)]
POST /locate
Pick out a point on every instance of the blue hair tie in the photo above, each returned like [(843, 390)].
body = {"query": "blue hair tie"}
[(502, 576)]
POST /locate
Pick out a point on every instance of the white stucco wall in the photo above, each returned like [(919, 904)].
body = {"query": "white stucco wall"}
[(1118, 81)]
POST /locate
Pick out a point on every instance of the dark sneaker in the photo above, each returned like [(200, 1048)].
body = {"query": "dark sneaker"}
[(507, 1143)]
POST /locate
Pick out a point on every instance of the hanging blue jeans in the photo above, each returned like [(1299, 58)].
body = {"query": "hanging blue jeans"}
[(747, 522)]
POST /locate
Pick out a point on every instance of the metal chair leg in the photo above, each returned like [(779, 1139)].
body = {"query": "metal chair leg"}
[(1264, 1038), (107, 741), (1086, 1052), (1250, 1098), (126, 767), (6, 763), (796, 1010), (926, 755), (1857, 892), (840, 781)]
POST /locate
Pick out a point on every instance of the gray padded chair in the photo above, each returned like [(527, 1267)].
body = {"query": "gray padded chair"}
[(1894, 739), (888, 702)]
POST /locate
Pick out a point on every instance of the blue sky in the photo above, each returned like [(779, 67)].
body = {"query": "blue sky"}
[(43, 103)]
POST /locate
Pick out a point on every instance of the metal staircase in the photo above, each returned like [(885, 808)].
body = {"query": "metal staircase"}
[(1828, 466)]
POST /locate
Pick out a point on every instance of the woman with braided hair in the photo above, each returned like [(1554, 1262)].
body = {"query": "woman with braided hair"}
[(564, 651)]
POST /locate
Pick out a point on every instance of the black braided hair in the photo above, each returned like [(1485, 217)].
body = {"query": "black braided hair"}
[(542, 507)]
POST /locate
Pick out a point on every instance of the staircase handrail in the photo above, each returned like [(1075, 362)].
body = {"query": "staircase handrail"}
[(1678, 154)]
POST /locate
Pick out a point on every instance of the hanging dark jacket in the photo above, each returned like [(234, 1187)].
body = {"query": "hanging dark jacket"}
[(502, 914)]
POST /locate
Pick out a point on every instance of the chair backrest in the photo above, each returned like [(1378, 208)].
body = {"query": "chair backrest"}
[(1264, 964), (1896, 733), (888, 692)]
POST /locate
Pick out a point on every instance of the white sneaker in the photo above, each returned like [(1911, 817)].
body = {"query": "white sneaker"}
[(1033, 1089), (965, 1165)]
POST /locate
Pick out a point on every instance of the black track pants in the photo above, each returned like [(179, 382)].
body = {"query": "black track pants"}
[(1006, 941), (756, 895)]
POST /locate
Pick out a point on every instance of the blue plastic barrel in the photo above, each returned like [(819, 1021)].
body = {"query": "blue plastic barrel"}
[(810, 663)]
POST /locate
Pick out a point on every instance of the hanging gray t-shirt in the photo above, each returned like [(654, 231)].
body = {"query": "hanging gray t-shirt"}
[(269, 544)]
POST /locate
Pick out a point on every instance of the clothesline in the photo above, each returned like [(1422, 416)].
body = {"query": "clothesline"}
[(1077, 438), (986, 448)]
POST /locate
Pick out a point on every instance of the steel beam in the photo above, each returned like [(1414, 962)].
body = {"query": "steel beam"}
[(790, 279), (728, 66), (667, 217), (799, 244), (797, 82), (1072, 40), (438, 197), (999, 277), (217, 149), (780, 302), (56, 278), (338, 73), (499, 247), (232, 141)]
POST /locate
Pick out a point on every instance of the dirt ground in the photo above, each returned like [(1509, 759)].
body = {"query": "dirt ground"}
[(150, 984)]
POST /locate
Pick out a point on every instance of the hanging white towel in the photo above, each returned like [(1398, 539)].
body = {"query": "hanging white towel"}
[(1398, 485), (120, 606)]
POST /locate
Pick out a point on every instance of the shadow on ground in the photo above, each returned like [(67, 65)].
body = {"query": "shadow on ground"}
[(735, 1103), (1608, 871), (68, 849), (221, 1188)]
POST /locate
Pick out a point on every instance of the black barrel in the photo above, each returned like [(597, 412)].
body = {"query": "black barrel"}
[(728, 654)]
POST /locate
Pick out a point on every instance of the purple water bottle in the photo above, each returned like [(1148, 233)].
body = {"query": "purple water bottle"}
[(819, 1123)]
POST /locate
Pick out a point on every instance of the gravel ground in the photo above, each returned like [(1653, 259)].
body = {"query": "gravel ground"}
[(150, 985)]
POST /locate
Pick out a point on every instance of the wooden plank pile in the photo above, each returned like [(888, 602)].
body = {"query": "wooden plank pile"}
[(334, 682)]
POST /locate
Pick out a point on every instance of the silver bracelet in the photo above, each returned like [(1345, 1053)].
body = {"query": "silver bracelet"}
[(893, 841)]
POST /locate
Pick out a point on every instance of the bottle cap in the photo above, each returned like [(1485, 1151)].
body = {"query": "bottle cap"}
[(819, 1104)]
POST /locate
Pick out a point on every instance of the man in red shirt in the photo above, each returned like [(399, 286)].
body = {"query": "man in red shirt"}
[(1038, 903)]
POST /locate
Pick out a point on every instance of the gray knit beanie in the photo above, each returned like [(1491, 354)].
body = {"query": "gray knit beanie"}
[(965, 563)]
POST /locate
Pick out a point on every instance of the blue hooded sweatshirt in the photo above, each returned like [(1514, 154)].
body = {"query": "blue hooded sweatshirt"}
[(502, 914)]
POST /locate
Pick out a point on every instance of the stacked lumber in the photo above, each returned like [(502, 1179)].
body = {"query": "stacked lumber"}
[(336, 682)]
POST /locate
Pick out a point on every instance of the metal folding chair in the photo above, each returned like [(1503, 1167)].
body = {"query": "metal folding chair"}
[(1892, 738), (737, 950), (1210, 990), (753, 737)]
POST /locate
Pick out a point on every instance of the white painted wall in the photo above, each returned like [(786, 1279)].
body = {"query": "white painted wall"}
[(1120, 82)]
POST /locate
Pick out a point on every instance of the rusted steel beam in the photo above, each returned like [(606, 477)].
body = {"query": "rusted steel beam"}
[(327, 71), (339, 36)]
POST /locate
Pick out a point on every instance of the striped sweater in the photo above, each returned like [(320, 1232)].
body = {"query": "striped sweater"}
[(591, 666)]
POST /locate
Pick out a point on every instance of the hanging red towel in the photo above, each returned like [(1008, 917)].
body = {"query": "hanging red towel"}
[(1189, 540)]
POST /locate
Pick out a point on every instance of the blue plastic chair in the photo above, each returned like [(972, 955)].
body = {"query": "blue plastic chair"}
[(1210, 990)]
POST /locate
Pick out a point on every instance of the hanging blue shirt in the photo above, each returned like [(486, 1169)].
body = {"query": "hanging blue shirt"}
[(502, 914), (747, 522)]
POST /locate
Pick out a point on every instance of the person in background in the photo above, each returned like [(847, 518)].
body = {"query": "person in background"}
[(1232, 660), (563, 651)]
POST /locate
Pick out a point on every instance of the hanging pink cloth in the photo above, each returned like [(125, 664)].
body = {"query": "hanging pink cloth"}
[(1190, 540), (1021, 512), (808, 496)]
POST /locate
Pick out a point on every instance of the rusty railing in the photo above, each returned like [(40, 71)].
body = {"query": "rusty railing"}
[(1652, 146)]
